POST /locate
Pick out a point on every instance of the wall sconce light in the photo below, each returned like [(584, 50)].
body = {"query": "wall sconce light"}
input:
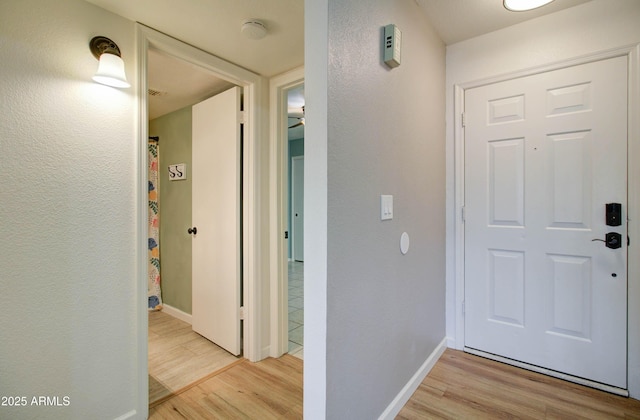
[(111, 67)]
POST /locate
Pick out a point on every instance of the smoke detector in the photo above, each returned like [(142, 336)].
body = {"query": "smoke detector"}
[(254, 29)]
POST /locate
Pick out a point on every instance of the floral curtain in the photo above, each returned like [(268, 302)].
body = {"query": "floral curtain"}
[(155, 299)]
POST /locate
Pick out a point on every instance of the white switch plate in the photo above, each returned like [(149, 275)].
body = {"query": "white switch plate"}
[(386, 207)]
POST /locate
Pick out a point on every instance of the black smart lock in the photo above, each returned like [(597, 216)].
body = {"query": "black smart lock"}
[(614, 214), (611, 240)]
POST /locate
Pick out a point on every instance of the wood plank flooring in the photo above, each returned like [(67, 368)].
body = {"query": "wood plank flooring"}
[(178, 356), (464, 386), (270, 389), (460, 386)]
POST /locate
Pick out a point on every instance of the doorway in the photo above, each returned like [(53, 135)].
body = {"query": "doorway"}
[(284, 272), (251, 84), (197, 329), (295, 212), (541, 291)]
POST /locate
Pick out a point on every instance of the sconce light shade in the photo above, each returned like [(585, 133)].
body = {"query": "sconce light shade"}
[(111, 67), (524, 5)]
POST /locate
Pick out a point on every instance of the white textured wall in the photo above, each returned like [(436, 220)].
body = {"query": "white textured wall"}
[(592, 27), (385, 135), (67, 218)]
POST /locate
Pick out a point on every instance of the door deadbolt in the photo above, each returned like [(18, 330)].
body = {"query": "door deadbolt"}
[(611, 240), (613, 214)]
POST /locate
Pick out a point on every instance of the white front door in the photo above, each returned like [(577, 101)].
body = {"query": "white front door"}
[(216, 214), (544, 154), (297, 197)]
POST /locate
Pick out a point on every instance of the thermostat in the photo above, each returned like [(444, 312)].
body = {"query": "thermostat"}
[(392, 45)]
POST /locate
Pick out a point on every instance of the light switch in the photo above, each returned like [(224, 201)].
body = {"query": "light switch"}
[(386, 207)]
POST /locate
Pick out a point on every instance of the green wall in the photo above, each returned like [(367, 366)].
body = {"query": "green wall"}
[(174, 130)]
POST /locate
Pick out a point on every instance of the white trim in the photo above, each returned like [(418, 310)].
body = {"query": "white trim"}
[(633, 204), (278, 165), (129, 415), (407, 391), (176, 313), (457, 219), (142, 229), (456, 339), (549, 372), (254, 125)]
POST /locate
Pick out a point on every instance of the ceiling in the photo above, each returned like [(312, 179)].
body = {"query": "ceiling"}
[(215, 26), (175, 84), (457, 20)]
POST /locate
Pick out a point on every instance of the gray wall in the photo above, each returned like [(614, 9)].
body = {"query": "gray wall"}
[(385, 135), (174, 130)]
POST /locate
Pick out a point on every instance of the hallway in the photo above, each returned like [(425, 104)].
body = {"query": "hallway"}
[(459, 386)]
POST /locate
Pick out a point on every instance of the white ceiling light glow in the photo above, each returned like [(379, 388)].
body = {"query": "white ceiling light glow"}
[(524, 5)]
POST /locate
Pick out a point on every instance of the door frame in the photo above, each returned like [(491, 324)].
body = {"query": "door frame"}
[(295, 161), (278, 174), (632, 52), (254, 125)]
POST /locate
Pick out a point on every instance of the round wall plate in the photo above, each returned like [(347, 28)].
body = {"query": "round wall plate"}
[(404, 243)]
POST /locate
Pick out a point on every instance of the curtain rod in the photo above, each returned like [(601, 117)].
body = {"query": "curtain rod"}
[(156, 138)]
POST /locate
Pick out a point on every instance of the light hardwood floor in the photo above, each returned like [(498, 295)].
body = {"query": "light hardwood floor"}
[(270, 389), (178, 356), (460, 386), (464, 386)]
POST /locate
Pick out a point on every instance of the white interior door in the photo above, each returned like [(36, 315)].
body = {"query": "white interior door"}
[(543, 155), (297, 197), (216, 184)]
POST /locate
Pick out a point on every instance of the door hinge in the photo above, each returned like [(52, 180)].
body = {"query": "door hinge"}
[(462, 119), (463, 308), (242, 117), (242, 312), (286, 234), (463, 214)]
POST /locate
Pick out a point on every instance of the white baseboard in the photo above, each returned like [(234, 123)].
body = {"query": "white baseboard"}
[(131, 414), (407, 391), (176, 313), (266, 350), (451, 343)]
